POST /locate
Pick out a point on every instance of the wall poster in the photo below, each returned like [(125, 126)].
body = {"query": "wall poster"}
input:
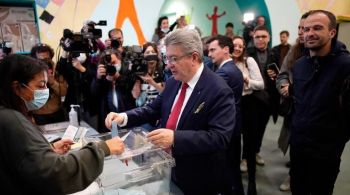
[(18, 25)]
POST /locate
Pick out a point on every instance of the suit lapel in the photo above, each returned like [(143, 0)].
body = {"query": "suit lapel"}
[(194, 98)]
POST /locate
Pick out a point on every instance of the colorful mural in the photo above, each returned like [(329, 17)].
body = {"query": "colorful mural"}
[(339, 7), (138, 18)]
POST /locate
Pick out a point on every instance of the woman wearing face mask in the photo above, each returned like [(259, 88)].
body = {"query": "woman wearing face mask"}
[(161, 30), (29, 164), (148, 86), (252, 81), (112, 86)]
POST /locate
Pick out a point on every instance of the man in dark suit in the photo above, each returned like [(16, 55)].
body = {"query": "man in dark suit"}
[(220, 49), (199, 130)]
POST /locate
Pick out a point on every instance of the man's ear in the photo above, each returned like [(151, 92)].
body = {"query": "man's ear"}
[(332, 33), (227, 49)]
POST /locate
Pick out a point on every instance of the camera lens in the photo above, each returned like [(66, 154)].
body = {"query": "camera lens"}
[(111, 70), (115, 43)]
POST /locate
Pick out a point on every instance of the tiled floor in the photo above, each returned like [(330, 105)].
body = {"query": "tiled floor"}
[(270, 176)]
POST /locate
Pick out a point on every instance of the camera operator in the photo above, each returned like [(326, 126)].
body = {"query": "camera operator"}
[(112, 86), (78, 71), (115, 39), (248, 31), (52, 111), (150, 84), (96, 45)]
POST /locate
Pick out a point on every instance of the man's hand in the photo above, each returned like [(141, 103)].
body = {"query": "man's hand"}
[(112, 116), (285, 90), (163, 138), (101, 71), (108, 42), (62, 146), (272, 74), (77, 65)]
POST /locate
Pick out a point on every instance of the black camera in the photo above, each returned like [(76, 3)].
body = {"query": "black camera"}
[(84, 41), (115, 43), (6, 47), (134, 57), (110, 68), (74, 42)]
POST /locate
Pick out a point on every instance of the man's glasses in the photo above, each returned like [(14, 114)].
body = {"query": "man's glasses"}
[(260, 37), (173, 59)]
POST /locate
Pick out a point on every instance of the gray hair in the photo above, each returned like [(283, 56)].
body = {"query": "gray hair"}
[(188, 39)]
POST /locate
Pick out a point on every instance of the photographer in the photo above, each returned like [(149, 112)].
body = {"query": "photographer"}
[(149, 85), (52, 111), (78, 71), (112, 86), (95, 43), (115, 39)]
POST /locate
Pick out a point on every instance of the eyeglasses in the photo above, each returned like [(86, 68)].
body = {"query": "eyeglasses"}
[(173, 59), (260, 37)]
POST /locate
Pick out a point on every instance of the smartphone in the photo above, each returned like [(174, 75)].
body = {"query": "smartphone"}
[(274, 67)]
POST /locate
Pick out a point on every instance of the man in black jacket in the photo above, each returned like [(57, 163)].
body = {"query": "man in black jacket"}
[(320, 128), (269, 97)]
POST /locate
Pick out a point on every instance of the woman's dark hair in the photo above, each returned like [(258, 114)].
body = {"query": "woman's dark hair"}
[(154, 46), (41, 48), (19, 68), (158, 30), (147, 44), (240, 58)]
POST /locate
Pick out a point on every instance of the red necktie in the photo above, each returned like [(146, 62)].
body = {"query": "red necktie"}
[(174, 115)]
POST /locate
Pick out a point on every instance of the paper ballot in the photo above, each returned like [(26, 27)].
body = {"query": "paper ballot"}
[(74, 133)]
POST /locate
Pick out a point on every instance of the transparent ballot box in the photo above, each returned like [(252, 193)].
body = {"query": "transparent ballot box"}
[(141, 169)]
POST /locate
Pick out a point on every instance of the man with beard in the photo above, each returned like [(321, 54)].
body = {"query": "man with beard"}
[(320, 125)]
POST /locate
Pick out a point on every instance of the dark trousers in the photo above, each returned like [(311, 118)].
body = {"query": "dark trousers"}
[(250, 132), (263, 116), (311, 175), (234, 161)]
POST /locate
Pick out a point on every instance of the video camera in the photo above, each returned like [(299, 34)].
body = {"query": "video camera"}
[(133, 56), (82, 42), (6, 47)]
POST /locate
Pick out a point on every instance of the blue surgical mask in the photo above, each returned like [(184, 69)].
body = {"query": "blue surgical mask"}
[(40, 98)]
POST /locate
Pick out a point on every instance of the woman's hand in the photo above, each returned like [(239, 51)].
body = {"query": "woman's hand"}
[(115, 145), (62, 146), (147, 78)]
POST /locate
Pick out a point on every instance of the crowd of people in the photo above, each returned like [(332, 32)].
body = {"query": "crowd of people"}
[(196, 95)]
